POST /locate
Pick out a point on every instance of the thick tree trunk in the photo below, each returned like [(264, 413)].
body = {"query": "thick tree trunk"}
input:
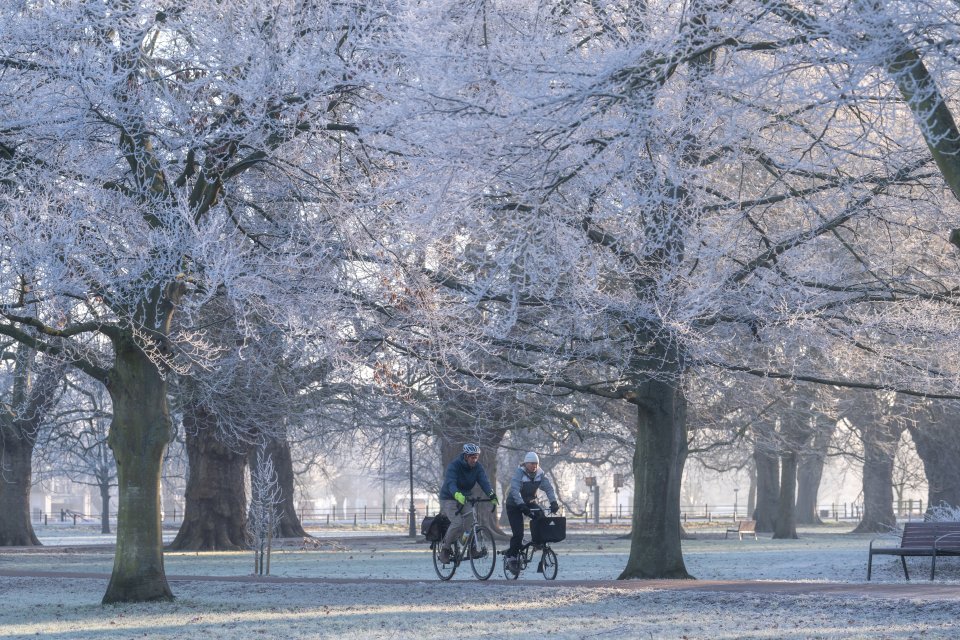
[(796, 432), (20, 420), (104, 508), (809, 474), (461, 425), (785, 526), (215, 509), (16, 456), (139, 433), (279, 451), (939, 449), (768, 488), (879, 451), (658, 459)]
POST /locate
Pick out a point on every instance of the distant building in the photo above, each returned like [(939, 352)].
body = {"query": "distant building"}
[(59, 497)]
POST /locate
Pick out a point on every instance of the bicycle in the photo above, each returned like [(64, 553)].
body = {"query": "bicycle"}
[(478, 540), (548, 565)]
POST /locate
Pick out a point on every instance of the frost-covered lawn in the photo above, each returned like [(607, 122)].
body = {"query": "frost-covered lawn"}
[(430, 610)]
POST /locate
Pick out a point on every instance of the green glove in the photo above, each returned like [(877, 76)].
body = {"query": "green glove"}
[(493, 499), (459, 497)]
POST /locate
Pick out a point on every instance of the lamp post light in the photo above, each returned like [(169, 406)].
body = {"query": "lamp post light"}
[(735, 491)]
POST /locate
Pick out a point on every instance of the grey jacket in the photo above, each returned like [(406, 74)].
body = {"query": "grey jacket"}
[(523, 487)]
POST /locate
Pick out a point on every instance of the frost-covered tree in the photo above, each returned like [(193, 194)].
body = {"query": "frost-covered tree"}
[(633, 192), (265, 510), (155, 157)]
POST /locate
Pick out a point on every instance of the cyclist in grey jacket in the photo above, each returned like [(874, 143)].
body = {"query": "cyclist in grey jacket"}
[(522, 499)]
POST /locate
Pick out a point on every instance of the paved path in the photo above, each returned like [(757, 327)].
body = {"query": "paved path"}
[(916, 591)]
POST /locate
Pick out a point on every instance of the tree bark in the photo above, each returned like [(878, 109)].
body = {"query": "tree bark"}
[(215, 509), (105, 507), (939, 449), (477, 418), (785, 527), (20, 421), (768, 487), (139, 433), (16, 457), (279, 451), (796, 431), (922, 95), (658, 459), (809, 474), (879, 451)]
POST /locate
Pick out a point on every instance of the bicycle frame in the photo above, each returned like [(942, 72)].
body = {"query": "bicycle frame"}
[(528, 550), (548, 565), (468, 540)]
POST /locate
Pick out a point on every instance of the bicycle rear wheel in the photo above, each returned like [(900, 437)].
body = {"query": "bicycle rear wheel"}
[(483, 553), (548, 561), (445, 571)]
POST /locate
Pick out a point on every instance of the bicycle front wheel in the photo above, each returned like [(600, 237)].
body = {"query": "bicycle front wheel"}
[(508, 573), (483, 553), (549, 563), (444, 571)]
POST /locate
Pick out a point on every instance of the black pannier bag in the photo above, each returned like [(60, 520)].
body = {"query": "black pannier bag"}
[(433, 527), (548, 529)]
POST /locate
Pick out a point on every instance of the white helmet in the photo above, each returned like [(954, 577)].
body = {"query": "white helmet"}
[(531, 457)]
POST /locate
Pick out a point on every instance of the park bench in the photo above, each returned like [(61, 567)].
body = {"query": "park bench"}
[(921, 539), (743, 528)]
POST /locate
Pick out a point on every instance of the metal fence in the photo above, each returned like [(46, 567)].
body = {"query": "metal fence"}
[(608, 514)]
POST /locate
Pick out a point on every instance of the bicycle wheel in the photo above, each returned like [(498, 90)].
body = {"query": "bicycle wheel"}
[(483, 553), (445, 571), (507, 573), (548, 561)]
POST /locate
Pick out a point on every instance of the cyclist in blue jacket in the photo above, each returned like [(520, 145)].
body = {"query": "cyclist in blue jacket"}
[(522, 500), (462, 475)]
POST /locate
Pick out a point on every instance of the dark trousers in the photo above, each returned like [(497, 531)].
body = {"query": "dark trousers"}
[(515, 517)]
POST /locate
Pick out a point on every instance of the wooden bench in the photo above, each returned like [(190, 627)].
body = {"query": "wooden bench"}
[(744, 528), (921, 539)]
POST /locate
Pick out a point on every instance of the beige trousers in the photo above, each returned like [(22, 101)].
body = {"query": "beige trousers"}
[(458, 523)]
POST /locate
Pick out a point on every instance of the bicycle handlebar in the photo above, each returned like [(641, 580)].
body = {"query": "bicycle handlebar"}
[(474, 501)]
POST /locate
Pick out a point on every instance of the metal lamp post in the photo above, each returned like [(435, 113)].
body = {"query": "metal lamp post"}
[(591, 481), (735, 491), (413, 509)]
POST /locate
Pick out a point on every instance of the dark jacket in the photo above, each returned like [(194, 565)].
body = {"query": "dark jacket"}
[(460, 477)]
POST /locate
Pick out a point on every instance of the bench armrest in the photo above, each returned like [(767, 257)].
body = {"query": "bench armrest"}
[(955, 535)]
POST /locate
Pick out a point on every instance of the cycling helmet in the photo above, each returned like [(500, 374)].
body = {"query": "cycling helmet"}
[(531, 457), (471, 449)]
